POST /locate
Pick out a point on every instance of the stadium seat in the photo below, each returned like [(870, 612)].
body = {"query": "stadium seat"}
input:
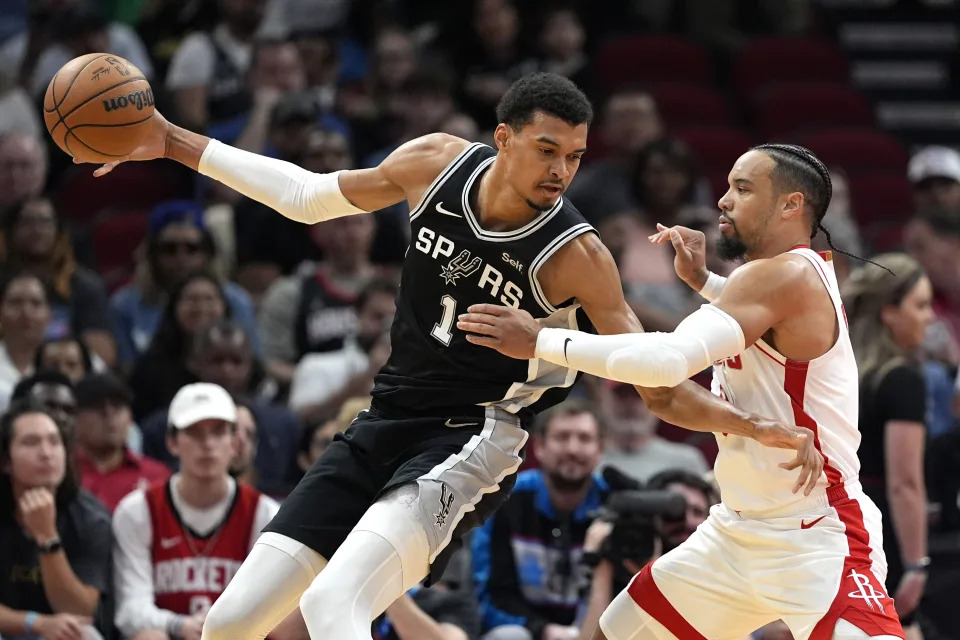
[(115, 242), (771, 61), (858, 150), (683, 105), (651, 60), (83, 198), (880, 198), (787, 111), (716, 148)]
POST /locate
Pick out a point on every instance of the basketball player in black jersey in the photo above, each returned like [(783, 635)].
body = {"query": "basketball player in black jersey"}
[(436, 452)]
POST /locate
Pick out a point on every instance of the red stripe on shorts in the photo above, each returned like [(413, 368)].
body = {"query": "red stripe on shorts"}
[(645, 592)]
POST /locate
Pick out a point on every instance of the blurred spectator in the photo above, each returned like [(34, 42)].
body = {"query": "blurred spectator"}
[(562, 40), (460, 125), (699, 497), (178, 244), (18, 113), (935, 174), (494, 60), (220, 354), (68, 355), (320, 52), (53, 392), (633, 445), (322, 381), (196, 303), (55, 565), (207, 75), (200, 523), (889, 312), (526, 558), (242, 468), (842, 226), (439, 613), (23, 168), (61, 31), (34, 239), (313, 310), (665, 180), (24, 318), (629, 122), (108, 468), (283, 16)]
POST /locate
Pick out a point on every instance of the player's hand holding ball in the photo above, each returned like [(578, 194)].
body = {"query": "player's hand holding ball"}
[(100, 108)]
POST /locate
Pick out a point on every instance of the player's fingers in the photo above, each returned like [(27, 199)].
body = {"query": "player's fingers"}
[(676, 240), (478, 318), (802, 479), (793, 464), (490, 309), (661, 227), (483, 341), (814, 477), (105, 169), (476, 327)]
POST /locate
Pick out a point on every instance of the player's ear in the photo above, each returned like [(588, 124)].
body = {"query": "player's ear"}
[(501, 135), (792, 205)]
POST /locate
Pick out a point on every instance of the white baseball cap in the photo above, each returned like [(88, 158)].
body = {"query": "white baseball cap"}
[(934, 162), (201, 401)]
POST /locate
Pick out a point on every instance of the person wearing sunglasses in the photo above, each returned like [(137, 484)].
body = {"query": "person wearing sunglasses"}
[(178, 244)]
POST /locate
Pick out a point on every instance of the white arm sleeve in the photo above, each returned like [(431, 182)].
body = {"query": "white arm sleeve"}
[(648, 359), (296, 193), (712, 288), (133, 569)]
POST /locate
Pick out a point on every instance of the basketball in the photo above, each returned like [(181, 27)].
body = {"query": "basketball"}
[(98, 107)]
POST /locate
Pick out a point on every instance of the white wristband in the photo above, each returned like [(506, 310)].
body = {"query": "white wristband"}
[(712, 288)]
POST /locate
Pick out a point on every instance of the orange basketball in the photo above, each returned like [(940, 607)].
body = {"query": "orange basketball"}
[(98, 107)]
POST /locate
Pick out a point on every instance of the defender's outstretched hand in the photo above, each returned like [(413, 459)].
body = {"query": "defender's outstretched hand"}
[(152, 147), (690, 245), (781, 436), (512, 332)]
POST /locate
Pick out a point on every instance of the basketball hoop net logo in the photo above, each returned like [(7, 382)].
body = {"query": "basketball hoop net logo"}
[(865, 591)]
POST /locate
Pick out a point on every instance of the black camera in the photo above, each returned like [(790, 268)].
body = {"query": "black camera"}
[(633, 510)]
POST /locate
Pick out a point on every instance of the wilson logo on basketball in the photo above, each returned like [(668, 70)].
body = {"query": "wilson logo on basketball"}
[(138, 99)]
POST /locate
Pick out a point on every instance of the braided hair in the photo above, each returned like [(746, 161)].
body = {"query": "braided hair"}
[(797, 168)]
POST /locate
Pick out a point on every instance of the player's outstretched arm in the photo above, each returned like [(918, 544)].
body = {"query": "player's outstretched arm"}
[(296, 193)]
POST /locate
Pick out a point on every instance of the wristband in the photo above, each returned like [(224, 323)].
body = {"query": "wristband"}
[(49, 546), (29, 621), (590, 559), (917, 567), (175, 626), (713, 286)]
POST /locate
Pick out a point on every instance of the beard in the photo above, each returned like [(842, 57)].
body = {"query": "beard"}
[(730, 249), (541, 207), (566, 484)]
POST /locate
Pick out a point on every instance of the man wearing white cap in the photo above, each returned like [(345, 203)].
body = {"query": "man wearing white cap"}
[(935, 175), (179, 543)]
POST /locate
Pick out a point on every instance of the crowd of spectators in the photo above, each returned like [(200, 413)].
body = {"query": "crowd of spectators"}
[(174, 356)]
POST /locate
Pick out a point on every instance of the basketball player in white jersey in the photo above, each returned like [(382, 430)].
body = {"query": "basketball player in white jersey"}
[(776, 334)]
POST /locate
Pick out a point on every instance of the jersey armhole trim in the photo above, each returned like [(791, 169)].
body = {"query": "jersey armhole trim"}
[(544, 255), (441, 178)]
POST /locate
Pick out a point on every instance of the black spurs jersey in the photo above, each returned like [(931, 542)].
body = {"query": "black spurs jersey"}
[(453, 263)]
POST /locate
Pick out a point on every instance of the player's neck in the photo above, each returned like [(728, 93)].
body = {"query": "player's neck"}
[(202, 493), (499, 207), (775, 247)]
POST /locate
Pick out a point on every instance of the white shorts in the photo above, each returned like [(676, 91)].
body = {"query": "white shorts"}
[(736, 574)]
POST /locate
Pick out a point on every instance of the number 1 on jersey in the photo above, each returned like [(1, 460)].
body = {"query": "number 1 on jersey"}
[(441, 330)]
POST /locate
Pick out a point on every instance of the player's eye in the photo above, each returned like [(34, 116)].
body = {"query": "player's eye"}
[(575, 157), (741, 190), (546, 152)]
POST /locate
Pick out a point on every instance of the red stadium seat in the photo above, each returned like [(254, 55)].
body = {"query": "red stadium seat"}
[(792, 110), (770, 61), (716, 148), (132, 185), (115, 242), (651, 60), (880, 198), (858, 150), (684, 105)]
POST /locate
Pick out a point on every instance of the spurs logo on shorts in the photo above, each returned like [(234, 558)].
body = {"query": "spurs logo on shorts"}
[(865, 591), (460, 266), (446, 501)]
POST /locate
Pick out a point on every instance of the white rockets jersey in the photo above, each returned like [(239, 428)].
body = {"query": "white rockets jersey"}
[(821, 395)]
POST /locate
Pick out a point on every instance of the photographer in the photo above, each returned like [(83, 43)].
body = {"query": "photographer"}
[(526, 558), (628, 534)]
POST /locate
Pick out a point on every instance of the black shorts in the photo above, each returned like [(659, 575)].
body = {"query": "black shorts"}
[(464, 468)]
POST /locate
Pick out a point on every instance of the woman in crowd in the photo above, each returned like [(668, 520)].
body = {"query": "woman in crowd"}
[(162, 370), (33, 238), (888, 316), (24, 318)]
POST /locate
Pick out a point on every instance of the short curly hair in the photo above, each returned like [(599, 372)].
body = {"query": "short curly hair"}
[(549, 93)]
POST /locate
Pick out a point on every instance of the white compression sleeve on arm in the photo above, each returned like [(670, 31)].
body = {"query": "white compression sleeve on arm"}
[(712, 288), (296, 193), (648, 359)]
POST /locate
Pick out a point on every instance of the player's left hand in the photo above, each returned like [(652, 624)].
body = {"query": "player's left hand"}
[(783, 436), (512, 332)]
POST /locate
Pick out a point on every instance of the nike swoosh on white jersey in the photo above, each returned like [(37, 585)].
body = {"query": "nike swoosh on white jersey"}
[(445, 212), (454, 425)]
